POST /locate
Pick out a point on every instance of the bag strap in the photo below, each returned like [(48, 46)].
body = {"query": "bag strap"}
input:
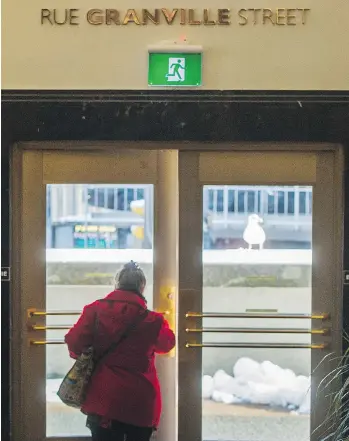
[(133, 325)]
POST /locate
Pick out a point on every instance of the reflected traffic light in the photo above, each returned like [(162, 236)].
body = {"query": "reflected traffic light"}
[(138, 232)]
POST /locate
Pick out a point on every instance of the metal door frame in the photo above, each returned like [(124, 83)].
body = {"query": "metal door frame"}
[(327, 272)]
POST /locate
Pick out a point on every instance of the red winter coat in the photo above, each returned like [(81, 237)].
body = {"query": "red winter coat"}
[(125, 385)]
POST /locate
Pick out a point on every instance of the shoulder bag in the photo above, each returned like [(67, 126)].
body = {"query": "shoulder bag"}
[(72, 390)]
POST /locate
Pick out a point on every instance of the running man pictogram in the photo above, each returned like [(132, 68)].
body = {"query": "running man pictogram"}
[(176, 69)]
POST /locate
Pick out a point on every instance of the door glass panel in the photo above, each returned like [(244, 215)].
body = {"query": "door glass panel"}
[(91, 230), (257, 258)]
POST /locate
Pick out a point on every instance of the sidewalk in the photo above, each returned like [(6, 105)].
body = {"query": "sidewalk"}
[(220, 422)]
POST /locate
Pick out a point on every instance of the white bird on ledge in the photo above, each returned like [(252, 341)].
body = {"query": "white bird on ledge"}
[(254, 233)]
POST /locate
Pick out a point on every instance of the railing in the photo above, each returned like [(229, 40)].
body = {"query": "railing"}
[(222, 201), (279, 205), (68, 200)]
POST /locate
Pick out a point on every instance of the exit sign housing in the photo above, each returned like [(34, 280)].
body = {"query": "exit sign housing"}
[(175, 69)]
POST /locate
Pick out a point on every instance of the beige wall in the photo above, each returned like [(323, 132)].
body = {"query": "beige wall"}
[(310, 56)]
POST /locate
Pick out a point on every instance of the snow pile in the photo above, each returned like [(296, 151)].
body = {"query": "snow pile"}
[(259, 383)]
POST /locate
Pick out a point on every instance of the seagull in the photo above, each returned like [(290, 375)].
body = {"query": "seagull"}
[(254, 233)]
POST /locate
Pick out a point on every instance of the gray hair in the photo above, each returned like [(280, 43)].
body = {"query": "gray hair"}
[(130, 278)]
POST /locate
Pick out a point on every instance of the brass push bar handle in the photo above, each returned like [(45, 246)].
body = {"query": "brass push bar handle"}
[(35, 313), (324, 331), (216, 345), (46, 342), (245, 315), (49, 327), (258, 345), (32, 312)]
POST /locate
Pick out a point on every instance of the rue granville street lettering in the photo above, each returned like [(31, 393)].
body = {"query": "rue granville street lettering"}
[(192, 17)]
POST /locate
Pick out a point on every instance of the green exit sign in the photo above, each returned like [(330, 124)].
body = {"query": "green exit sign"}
[(175, 69)]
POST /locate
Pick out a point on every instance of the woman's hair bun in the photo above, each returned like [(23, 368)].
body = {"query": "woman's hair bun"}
[(132, 265)]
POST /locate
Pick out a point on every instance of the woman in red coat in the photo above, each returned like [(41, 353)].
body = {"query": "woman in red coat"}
[(123, 401)]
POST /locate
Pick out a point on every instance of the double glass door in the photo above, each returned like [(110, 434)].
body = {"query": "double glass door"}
[(241, 249)]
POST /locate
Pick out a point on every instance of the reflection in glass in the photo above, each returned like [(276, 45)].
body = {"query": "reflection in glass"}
[(91, 231), (99, 216), (248, 393)]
